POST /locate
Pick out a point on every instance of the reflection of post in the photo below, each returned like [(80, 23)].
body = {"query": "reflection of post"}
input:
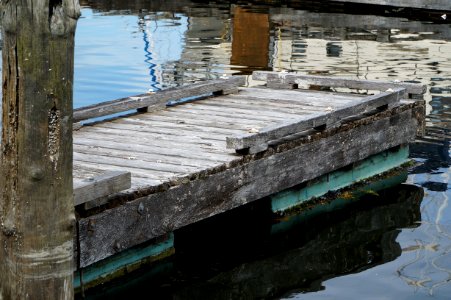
[(36, 202), (250, 43), (148, 54)]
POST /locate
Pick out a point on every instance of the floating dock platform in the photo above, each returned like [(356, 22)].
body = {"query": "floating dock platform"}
[(182, 155)]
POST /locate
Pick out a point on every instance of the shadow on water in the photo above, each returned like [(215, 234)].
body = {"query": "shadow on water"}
[(244, 254)]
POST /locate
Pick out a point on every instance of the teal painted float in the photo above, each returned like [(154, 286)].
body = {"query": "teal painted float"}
[(338, 203), (333, 181), (123, 263)]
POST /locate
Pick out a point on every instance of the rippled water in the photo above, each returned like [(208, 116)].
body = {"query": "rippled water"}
[(127, 47)]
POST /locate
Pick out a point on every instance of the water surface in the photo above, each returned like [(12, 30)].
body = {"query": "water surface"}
[(132, 47)]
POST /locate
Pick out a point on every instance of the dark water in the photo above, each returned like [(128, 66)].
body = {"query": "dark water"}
[(244, 254), (397, 247)]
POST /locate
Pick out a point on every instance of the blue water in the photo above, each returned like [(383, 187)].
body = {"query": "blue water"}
[(127, 50), (120, 53)]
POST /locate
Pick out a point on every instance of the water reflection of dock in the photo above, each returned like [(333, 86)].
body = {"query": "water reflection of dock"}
[(334, 244), (246, 254)]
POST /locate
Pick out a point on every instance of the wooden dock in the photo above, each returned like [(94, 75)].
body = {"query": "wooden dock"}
[(196, 151)]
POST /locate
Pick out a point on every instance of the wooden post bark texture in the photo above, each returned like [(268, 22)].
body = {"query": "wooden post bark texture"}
[(36, 201)]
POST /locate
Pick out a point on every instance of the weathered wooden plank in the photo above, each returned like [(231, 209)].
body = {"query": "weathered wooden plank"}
[(100, 186), (142, 146), (177, 124), (243, 111), (211, 111), (260, 140), (114, 230), (243, 122), (194, 119), (411, 88), (148, 128), (158, 139), (298, 95), (136, 162), (153, 178), (305, 97), (267, 106), (81, 173), (198, 162), (157, 100)]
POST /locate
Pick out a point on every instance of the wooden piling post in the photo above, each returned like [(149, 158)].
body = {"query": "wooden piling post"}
[(36, 200)]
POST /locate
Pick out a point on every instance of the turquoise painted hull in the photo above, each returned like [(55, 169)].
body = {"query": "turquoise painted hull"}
[(365, 169)]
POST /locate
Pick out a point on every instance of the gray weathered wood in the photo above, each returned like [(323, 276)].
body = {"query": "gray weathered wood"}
[(311, 97), (137, 163), (184, 114), (158, 99), (241, 112), (193, 121), (141, 146), (106, 184), (182, 125), (36, 200), (133, 152), (152, 177), (266, 107), (167, 133), (411, 88), (259, 141), (160, 139), (117, 229)]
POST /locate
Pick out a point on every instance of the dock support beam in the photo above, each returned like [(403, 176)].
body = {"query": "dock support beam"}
[(36, 197)]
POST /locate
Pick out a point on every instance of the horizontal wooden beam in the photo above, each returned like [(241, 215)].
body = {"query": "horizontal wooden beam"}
[(259, 141), (158, 99), (100, 186), (294, 78)]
